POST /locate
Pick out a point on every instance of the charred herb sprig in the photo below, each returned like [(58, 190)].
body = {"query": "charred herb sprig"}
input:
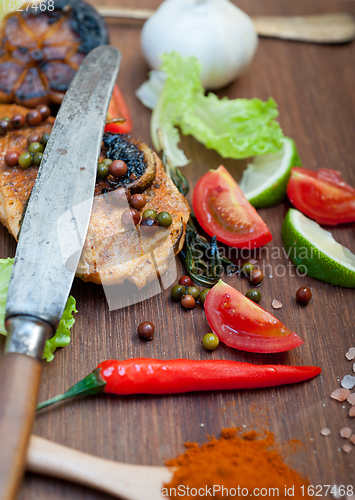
[(175, 175), (203, 260)]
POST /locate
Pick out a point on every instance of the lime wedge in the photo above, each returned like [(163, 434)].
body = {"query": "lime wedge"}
[(315, 252), (265, 180)]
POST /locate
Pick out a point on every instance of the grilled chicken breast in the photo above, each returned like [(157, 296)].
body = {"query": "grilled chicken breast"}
[(16, 183), (112, 252)]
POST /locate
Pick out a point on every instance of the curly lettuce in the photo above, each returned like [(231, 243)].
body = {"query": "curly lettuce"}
[(62, 335), (5, 275), (235, 128)]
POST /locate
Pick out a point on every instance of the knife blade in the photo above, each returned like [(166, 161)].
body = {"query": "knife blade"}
[(51, 239)]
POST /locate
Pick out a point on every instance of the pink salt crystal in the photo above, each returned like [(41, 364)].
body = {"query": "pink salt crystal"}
[(325, 431), (276, 304), (352, 411), (340, 394), (351, 398), (254, 261), (345, 432), (350, 354), (346, 448), (354, 367), (352, 439)]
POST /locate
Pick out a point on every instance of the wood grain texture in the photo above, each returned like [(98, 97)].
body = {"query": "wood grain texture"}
[(314, 87), (20, 378)]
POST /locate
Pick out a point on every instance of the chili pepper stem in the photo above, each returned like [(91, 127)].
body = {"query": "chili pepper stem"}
[(92, 384)]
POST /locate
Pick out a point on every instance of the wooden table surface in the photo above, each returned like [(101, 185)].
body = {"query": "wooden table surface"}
[(314, 87)]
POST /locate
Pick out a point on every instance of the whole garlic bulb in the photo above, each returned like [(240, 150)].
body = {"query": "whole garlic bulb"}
[(220, 35)]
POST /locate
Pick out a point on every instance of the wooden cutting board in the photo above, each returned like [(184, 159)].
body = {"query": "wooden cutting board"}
[(315, 89)]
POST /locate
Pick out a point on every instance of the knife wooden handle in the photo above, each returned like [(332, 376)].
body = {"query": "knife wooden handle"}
[(19, 384)]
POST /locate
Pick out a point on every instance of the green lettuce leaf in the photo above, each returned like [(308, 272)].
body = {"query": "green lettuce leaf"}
[(148, 93), (181, 86), (61, 338), (5, 275), (62, 335), (235, 128)]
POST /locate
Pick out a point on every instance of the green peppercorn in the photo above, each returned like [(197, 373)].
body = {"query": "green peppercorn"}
[(45, 138), (164, 219), (37, 158), (25, 160), (149, 213), (177, 292), (102, 171), (203, 295), (107, 161), (194, 291), (254, 295), (210, 341), (247, 269), (35, 147)]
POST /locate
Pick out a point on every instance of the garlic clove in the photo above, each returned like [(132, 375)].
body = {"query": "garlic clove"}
[(220, 35)]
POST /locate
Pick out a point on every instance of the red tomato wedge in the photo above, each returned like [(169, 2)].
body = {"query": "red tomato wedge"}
[(322, 195), (118, 109), (222, 210), (241, 323)]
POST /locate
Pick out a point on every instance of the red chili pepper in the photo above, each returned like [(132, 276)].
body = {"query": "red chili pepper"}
[(155, 376), (118, 109)]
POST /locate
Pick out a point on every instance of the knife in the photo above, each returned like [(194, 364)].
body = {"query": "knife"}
[(50, 243)]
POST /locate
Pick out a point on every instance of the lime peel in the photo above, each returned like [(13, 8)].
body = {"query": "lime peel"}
[(314, 251), (264, 181)]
